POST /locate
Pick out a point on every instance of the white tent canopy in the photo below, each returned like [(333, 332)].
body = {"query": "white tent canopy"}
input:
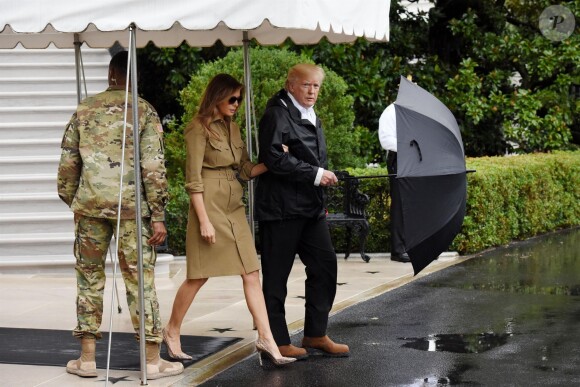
[(37, 23)]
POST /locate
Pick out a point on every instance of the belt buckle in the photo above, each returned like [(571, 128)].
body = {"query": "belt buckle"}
[(230, 174)]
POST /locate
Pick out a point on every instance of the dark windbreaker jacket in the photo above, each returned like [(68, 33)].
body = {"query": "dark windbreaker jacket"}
[(287, 190)]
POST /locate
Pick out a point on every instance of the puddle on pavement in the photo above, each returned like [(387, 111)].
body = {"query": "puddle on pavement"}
[(547, 265), (458, 343)]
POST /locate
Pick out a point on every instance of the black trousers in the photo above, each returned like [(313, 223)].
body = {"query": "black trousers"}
[(280, 242), (397, 243)]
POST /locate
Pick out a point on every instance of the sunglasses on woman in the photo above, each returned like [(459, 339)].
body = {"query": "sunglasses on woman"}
[(233, 100)]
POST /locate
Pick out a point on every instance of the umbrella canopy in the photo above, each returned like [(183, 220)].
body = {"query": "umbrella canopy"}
[(431, 173)]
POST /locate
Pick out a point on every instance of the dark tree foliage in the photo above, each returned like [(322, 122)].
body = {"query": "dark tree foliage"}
[(510, 79), (509, 87), (373, 70), (443, 43), (164, 72)]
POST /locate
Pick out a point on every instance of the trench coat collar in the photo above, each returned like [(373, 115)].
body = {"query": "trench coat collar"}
[(295, 114), (218, 118)]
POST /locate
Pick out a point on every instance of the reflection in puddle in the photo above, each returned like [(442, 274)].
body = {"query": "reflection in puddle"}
[(510, 325), (546, 368), (459, 343), (436, 381), (547, 266)]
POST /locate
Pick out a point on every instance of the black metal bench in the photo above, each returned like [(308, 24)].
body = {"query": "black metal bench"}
[(347, 208)]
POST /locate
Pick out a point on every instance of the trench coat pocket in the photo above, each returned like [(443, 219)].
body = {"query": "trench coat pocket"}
[(214, 151), (238, 148)]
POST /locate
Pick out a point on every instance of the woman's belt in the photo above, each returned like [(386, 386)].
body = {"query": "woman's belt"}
[(224, 173)]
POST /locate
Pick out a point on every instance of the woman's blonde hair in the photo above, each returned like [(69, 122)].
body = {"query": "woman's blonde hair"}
[(221, 87)]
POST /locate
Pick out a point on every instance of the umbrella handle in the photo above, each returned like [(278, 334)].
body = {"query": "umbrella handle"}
[(418, 148)]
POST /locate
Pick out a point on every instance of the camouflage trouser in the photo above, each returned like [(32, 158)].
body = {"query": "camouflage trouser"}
[(93, 236)]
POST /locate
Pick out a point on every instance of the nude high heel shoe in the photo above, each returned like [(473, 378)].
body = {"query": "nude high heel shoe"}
[(264, 351), (172, 354)]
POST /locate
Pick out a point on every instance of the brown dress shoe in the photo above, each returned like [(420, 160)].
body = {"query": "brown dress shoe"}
[(292, 351), (326, 346)]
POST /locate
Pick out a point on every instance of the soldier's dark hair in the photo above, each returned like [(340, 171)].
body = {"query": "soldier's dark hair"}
[(221, 87), (118, 63)]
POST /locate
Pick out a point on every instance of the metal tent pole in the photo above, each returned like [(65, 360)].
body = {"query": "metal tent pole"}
[(80, 69), (138, 219), (77, 44), (248, 109)]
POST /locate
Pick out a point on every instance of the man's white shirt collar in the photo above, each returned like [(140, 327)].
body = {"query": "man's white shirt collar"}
[(306, 113)]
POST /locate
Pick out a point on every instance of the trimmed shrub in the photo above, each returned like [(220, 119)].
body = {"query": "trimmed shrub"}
[(269, 69), (517, 197), (508, 198)]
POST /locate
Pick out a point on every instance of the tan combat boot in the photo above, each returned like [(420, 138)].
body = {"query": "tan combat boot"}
[(85, 366), (156, 366)]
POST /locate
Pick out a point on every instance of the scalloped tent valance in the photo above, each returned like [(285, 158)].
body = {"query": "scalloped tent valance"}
[(37, 23)]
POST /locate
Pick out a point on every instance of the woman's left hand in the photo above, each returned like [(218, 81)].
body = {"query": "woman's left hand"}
[(207, 232)]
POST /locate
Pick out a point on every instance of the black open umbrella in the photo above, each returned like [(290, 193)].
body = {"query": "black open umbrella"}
[(431, 174)]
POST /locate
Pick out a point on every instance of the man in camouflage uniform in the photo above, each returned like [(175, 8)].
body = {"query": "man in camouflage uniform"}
[(88, 182)]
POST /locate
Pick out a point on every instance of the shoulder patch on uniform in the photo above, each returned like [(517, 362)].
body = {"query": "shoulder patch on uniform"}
[(160, 128)]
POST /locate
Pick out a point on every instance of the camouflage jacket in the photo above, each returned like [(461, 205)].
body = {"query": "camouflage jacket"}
[(90, 163)]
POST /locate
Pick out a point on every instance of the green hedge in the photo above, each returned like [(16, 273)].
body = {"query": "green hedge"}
[(269, 70), (509, 198), (517, 197), (176, 215)]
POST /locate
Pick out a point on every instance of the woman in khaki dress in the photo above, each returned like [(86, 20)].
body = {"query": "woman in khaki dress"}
[(219, 241)]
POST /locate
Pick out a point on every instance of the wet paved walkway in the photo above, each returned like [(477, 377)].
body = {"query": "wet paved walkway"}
[(48, 302), (506, 317)]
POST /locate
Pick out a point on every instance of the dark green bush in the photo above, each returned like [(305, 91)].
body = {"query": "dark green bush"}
[(269, 70), (176, 215), (508, 198), (518, 197)]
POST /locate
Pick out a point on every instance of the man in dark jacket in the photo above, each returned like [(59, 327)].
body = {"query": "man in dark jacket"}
[(291, 211)]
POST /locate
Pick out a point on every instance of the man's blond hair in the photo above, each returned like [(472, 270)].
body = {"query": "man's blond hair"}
[(303, 70)]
